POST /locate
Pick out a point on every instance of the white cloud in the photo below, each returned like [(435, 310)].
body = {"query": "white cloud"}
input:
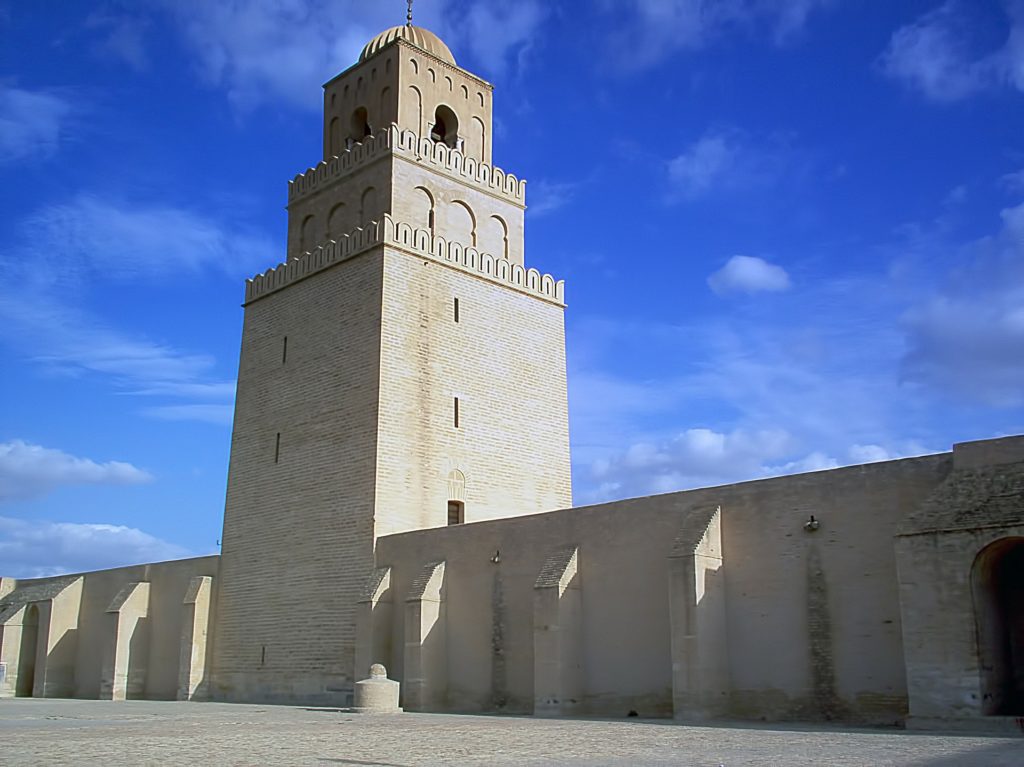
[(215, 414), (31, 123), (34, 549), (706, 163), (548, 196), (967, 339), (654, 29), (700, 457), (32, 471), (932, 55), (494, 33), (726, 160), (123, 38), (111, 240), (66, 248), (748, 274), (281, 51), (1013, 182)]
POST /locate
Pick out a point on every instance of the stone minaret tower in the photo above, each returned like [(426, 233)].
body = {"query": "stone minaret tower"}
[(402, 368)]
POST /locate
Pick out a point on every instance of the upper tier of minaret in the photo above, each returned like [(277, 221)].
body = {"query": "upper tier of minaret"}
[(408, 76)]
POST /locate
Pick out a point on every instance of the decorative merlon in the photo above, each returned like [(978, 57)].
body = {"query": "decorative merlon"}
[(418, 241), (420, 149)]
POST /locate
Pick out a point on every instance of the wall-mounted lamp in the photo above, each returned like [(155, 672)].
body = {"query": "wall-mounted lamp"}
[(811, 524)]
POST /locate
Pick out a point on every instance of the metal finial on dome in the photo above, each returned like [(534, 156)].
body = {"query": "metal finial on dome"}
[(408, 15)]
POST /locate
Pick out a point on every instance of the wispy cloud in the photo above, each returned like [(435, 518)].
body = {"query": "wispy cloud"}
[(32, 123), (652, 30), (107, 239), (933, 55), (496, 34), (967, 338), (122, 38), (36, 549), (549, 196), (32, 471), (748, 274), (69, 248), (71, 341), (727, 160)]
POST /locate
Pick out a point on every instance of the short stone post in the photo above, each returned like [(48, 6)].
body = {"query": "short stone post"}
[(378, 694)]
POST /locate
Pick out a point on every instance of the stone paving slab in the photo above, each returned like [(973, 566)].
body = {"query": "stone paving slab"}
[(74, 732)]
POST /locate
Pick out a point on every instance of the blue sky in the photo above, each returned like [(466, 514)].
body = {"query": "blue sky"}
[(792, 233)]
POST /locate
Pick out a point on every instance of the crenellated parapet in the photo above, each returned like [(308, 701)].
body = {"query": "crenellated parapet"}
[(418, 241), (417, 148)]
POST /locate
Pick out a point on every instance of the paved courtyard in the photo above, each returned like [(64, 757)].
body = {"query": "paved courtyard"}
[(168, 733)]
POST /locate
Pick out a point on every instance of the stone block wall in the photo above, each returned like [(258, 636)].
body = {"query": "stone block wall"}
[(791, 623), (116, 633)]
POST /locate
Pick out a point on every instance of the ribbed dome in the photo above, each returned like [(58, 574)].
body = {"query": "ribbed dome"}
[(418, 36)]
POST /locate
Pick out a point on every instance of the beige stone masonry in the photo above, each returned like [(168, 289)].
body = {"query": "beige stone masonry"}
[(373, 621), (426, 652), (558, 635), (127, 652), (408, 145), (419, 242), (697, 610), (195, 627), (50, 611)]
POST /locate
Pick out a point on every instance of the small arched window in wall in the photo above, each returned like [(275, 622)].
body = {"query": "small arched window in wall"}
[(359, 125), (465, 92), (433, 74), (446, 127), (368, 206), (415, 66), (422, 213), (336, 222), (456, 497), (385, 107), (307, 234), (480, 96), (461, 223), (448, 80)]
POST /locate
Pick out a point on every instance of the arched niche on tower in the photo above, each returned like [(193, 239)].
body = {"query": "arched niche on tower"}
[(476, 138), (494, 236), (412, 110), (308, 235), (335, 143), (338, 222), (368, 206), (421, 209), (461, 223)]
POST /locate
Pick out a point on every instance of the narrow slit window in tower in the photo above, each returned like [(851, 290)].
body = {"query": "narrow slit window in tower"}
[(277, 448), (455, 412), (456, 308), (284, 350), (456, 512)]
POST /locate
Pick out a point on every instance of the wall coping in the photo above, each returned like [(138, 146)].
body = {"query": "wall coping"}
[(405, 143), (419, 242)]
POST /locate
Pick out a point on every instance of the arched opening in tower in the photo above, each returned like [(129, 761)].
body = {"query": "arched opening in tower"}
[(997, 581), (359, 125), (446, 127)]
